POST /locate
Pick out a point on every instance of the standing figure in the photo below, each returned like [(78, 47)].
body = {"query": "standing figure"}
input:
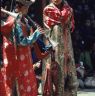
[(18, 36), (59, 23)]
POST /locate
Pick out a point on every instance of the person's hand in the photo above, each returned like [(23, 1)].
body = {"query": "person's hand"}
[(48, 66), (37, 65)]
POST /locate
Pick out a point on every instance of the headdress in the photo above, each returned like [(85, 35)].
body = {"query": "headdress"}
[(26, 2)]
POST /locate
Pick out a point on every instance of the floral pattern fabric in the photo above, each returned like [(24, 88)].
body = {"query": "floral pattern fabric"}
[(18, 68)]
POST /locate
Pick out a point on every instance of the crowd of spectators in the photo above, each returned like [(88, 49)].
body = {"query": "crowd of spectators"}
[(84, 14), (83, 37)]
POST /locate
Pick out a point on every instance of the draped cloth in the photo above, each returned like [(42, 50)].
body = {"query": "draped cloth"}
[(18, 68), (61, 23)]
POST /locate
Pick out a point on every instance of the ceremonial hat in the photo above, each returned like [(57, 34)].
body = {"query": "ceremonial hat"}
[(26, 2)]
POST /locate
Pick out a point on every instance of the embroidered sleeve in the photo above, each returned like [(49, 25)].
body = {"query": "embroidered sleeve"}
[(24, 41)]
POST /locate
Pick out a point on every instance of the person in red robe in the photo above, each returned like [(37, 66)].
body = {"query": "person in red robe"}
[(17, 70)]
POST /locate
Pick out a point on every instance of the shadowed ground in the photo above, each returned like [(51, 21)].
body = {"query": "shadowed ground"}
[(86, 92), (82, 92)]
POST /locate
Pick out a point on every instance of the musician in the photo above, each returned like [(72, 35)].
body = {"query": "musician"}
[(17, 70), (59, 23)]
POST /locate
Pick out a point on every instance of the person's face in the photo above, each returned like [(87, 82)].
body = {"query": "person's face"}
[(22, 8), (56, 2), (87, 23), (86, 7)]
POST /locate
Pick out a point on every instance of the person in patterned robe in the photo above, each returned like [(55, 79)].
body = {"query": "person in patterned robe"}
[(59, 23), (17, 70)]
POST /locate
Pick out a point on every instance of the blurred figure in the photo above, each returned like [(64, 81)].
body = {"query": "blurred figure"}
[(17, 70), (59, 23)]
